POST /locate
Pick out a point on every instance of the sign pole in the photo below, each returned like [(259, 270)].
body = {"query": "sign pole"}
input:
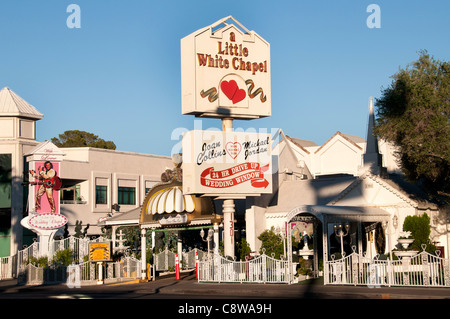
[(100, 273), (197, 273), (228, 208), (177, 267)]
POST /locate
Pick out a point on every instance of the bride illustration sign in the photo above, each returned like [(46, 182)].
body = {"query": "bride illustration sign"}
[(44, 185)]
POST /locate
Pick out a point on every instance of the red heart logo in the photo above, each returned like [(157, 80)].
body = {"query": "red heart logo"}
[(233, 149), (232, 91), (238, 96), (229, 88)]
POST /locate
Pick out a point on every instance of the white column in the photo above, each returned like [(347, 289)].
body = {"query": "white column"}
[(216, 239), (143, 254), (228, 227), (179, 248), (228, 208)]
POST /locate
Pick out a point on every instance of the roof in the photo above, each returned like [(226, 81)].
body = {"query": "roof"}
[(350, 138), (308, 192), (300, 142), (128, 218), (332, 212), (13, 105)]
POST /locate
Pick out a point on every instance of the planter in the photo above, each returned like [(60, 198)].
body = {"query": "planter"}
[(305, 253), (405, 242), (405, 253)]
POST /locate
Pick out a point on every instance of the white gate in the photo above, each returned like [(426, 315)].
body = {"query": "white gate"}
[(424, 270), (165, 260), (261, 269)]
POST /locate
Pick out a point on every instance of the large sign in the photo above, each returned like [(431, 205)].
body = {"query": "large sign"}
[(225, 164), (225, 72)]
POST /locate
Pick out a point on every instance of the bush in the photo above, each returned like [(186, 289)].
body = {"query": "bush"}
[(420, 229), (243, 249), (63, 257), (38, 262), (272, 243)]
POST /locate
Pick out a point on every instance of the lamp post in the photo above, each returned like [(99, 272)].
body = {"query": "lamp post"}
[(342, 232), (208, 238)]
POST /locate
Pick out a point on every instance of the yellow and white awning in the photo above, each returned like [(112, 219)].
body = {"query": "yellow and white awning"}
[(170, 200)]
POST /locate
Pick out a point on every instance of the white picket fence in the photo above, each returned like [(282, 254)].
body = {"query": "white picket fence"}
[(261, 269), (128, 268), (424, 270), (19, 266)]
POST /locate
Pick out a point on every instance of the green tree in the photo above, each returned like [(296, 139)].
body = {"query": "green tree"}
[(243, 249), (420, 229), (271, 243), (413, 113), (77, 138)]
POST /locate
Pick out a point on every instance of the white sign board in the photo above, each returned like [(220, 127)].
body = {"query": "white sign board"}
[(227, 164), (47, 221), (225, 72)]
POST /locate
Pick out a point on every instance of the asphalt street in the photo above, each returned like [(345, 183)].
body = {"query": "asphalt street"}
[(184, 295)]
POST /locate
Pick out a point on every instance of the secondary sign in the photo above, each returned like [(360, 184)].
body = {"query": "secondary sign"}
[(225, 72), (225, 164), (101, 251)]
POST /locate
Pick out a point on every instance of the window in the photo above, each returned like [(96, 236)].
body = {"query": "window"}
[(127, 196), (5, 180), (101, 194), (71, 195)]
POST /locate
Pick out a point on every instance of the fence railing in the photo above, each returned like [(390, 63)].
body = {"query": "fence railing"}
[(21, 265), (165, 260), (8, 267), (128, 268), (261, 269), (79, 246), (424, 270)]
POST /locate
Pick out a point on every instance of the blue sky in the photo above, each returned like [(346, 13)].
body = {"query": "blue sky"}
[(119, 77)]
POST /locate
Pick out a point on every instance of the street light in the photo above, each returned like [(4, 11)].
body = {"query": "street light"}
[(339, 231), (208, 238)]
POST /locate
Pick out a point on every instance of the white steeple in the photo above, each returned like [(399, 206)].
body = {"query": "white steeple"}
[(372, 157)]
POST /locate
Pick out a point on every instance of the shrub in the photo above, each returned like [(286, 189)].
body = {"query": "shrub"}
[(272, 243), (420, 229), (63, 257), (38, 262), (243, 249)]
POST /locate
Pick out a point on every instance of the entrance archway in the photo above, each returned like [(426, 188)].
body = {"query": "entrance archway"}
[(304, 239)]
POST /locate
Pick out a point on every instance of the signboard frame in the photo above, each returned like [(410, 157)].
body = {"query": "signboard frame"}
[(227, 164), (225, 72), (98, 256)]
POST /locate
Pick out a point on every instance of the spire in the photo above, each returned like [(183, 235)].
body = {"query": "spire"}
[(372, 157), (13, 105), (372, 141)]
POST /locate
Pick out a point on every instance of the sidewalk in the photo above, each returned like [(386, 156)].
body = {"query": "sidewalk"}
[(312, 289), (189, 287)]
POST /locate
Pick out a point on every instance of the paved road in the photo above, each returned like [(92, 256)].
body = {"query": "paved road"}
[(182, 295)]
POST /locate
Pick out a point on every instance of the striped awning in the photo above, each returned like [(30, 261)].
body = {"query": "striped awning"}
[(170, 200)]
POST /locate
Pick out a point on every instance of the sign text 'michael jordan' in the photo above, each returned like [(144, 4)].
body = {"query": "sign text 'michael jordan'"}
[(238, 62)]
